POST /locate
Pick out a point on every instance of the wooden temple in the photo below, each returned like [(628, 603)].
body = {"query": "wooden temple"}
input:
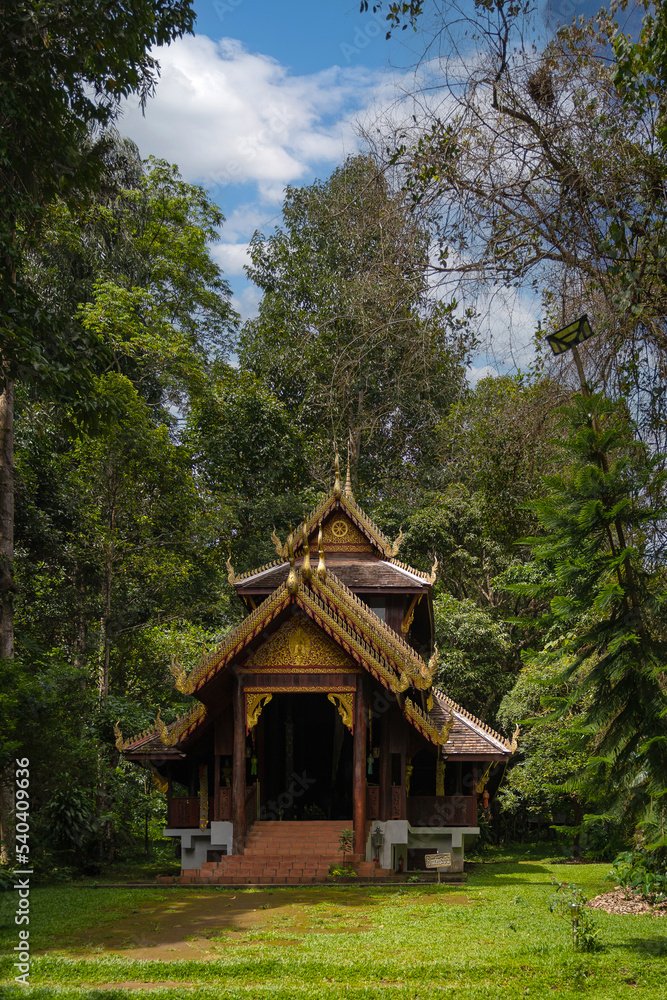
[(319, 713)]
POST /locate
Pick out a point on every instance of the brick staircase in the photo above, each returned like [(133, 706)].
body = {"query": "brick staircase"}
[(289, 853)]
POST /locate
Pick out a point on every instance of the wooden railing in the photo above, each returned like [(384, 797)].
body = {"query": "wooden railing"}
[(224, 804), (372, 802), (448, 810), (184, 813)]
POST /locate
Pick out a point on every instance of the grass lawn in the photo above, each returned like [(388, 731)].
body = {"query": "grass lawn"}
[(494, 939)]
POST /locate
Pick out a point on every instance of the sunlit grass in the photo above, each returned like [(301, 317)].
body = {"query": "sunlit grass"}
[(497, 939)]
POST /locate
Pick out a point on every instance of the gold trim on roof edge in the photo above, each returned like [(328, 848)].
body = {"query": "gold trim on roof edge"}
[(469, 717)]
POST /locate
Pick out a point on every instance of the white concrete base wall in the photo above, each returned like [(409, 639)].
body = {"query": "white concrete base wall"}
[(195, 843), (399, 836)]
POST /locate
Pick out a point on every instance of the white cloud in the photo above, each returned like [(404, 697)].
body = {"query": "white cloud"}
[(475, 375), (247, 301), (225, 115), (232, 257)]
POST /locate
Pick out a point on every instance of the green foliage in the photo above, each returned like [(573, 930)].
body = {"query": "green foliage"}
[(71, 817), (346, 337), (7, 878), (249, 455), (65, 70), (598, 523), (642, 873), (341, 871), (477, 663)]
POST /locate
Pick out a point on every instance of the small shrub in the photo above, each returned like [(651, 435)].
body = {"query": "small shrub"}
[(585, 932), (342, 871), (345, 842)]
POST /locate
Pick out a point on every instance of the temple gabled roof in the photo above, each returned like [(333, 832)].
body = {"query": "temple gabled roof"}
[(367, 641), (366, 557), (359, 574)]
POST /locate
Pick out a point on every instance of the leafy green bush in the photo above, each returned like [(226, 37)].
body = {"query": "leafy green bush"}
[(641, 873), (342, 871), (7, 877)]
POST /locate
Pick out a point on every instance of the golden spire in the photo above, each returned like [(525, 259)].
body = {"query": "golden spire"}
[(306, 569), (292, 582), (321, 566), (348, 481), (337, 490)]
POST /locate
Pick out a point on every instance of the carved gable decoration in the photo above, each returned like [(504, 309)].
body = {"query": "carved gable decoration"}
[(300, 645), (339, 535)]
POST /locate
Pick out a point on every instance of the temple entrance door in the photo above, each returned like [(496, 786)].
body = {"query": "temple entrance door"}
[(307, 760)]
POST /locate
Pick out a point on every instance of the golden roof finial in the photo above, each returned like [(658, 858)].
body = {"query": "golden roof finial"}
[(306, 569), (337, 490), (231, 575), (348, 480), (292, 582), (321, 566)]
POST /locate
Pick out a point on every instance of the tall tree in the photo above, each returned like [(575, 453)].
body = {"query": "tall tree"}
[(65, 69), (544, 164), (347, 335), (605, 579)]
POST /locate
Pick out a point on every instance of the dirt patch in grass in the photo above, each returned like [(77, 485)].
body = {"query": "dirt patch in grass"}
[(132, 984), (202, 926)]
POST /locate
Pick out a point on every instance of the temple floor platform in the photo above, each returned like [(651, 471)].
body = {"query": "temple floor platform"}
[(282, 853)]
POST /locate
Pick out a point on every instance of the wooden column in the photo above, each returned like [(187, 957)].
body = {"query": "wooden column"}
[(216, 787), (359, 767), (385, 766), (238, 768)]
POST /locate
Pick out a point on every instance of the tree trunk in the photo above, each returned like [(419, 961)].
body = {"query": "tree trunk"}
[(7, 587), (103, 677)]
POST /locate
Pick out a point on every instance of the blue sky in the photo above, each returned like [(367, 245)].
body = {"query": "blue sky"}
[(272, 93)]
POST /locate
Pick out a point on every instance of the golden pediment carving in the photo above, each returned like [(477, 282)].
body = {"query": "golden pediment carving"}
[(300, 643), (340, 532)]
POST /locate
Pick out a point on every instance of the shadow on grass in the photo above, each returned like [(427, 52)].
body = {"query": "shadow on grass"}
[(653, 947), (508, 873)]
